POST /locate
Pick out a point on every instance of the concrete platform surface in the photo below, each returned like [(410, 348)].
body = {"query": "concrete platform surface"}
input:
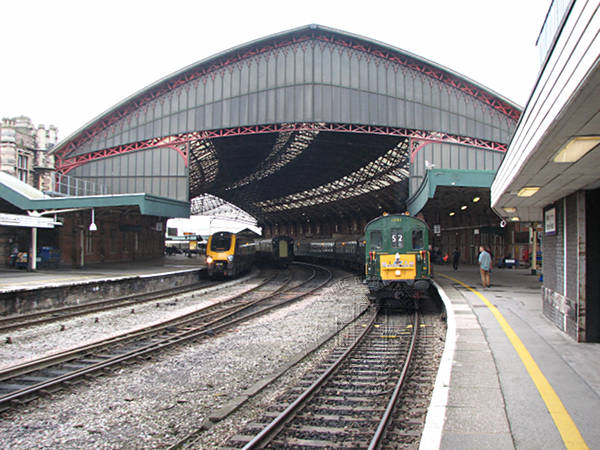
[(511, 379), (13, 279)]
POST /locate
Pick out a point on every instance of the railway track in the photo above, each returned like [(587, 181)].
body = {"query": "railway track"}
[(350, 402), (14, 322), (22, 383)]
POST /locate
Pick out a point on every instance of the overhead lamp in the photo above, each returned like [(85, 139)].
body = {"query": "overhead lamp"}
[(509, 209), (93, 226), (527, 191), (476, 199), (451, 213), (463, 207), (515, 219), (576, 148)]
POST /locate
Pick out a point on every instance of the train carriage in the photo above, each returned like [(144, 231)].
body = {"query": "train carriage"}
[(397, 258), (278, 250), (230, 254)]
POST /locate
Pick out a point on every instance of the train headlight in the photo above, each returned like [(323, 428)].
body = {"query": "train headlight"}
[(398, 272), (209, 259), (230, 258)]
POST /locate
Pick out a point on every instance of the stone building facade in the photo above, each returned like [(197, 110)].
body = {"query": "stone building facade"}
[(24, 151)]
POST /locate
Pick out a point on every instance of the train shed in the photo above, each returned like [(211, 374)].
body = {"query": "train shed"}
[(313, 131)]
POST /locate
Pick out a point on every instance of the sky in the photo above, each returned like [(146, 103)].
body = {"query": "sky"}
[(66, 62)]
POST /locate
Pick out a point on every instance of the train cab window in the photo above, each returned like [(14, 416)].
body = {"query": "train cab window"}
[(418, 241), (397, 238), (376, 239), (220, 242)]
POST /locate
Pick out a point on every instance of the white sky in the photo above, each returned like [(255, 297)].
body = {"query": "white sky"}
[(66, 62)]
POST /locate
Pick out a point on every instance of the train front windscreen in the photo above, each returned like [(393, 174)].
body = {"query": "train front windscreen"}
[(220, 242)]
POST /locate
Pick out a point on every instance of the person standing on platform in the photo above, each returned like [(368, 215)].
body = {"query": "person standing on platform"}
[(455, 258), (485, 265)]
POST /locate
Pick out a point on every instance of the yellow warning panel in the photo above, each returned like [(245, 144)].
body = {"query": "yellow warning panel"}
[(398, 266)]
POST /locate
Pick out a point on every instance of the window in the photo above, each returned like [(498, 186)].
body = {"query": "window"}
[(220, 242), (397, 238), (417, 240), (22, 164), (376, 239)]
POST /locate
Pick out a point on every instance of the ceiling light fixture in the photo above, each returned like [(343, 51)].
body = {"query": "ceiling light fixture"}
[(463, 207), (515, 219), (509, 209), (576, 148), (528, 191), (476, 199), (451, 213)]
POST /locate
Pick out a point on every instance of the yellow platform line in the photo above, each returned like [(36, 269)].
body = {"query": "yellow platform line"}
[(566, 427)]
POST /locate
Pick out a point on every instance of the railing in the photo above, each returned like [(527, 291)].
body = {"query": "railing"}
[(67, 186)]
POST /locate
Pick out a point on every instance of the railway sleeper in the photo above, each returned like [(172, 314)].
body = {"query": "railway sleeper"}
[(318, 443), (29, 379)]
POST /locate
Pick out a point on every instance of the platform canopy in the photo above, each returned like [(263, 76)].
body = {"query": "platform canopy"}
[(309, 123)]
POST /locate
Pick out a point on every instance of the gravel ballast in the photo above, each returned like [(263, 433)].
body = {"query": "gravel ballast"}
[(156, 403)]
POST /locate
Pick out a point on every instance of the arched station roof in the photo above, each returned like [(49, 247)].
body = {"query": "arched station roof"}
[(309, 122)]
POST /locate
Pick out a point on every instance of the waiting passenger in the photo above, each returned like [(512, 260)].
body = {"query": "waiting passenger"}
[(485, 265)]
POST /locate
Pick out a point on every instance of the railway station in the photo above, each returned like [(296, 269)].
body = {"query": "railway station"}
[(315, 132)]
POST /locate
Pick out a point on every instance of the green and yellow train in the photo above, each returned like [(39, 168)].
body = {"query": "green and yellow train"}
[(397, 259)]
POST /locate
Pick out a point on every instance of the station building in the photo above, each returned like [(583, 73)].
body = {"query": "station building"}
[(36, 228), (550, 175)]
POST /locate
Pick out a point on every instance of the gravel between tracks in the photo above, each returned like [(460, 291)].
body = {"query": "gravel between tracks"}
[(154, 404), (46, 339)]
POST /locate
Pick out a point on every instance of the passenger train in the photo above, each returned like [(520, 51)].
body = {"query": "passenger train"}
[(393, 254), (230, 254)]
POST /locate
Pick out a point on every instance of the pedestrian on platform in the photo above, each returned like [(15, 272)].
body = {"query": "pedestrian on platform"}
[(485, 265), (455, 258)]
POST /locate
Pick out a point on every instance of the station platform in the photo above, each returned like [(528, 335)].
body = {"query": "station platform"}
[(509, 378), (19, 279)]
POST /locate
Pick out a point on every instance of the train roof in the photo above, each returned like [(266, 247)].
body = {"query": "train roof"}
[(387, 216)]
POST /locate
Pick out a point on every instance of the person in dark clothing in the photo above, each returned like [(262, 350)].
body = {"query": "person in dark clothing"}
[(455, 258)]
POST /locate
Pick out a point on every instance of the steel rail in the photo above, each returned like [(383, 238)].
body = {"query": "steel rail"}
[(379, 433), (154, 346), (273, 428), (66, 312), (67, 355)]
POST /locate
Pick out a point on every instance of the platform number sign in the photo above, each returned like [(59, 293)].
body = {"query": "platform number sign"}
[(550, 221), (397, 239)]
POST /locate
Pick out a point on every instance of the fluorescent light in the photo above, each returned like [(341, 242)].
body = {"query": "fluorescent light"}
[(509, 209), (576, 148), (476, 199), (452, 213), (515, 219), (463, 207), (527, 191)]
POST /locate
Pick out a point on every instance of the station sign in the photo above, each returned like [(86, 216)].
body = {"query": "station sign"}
[(437, 229), (17, 220)]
